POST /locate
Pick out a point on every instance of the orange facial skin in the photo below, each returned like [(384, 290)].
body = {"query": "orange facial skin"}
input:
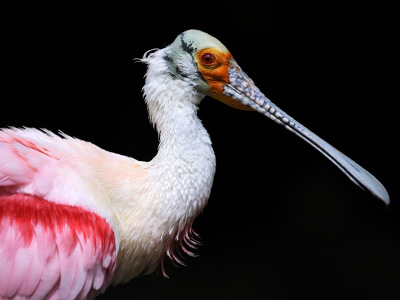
[(216, 74)]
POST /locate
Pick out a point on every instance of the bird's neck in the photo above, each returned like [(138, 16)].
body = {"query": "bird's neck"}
[(185, 163), (183, 169), (176, 182), (180, 176)]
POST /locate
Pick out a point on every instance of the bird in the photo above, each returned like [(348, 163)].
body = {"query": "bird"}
[(75, 219)]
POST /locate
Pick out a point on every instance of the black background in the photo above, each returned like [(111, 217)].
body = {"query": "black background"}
[(282, 222)]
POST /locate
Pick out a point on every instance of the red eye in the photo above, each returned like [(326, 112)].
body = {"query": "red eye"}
[(208, 59)]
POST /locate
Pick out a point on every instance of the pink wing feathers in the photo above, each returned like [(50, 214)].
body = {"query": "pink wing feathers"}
[(48, 250)]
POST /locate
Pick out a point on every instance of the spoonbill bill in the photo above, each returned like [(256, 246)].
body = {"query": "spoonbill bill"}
[(75, 219)]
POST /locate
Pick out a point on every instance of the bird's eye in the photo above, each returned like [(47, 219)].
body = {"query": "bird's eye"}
[(208, 59)]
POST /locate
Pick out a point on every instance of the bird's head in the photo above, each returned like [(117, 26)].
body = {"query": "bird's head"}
[(203, 61)]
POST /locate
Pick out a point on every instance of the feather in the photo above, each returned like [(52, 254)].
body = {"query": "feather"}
[(40, 259)]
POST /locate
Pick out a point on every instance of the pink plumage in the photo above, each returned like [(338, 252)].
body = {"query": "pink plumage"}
[(49, 249), (52, 251)]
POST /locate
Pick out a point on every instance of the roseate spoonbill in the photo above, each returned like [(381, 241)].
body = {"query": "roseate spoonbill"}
[(75, 218)]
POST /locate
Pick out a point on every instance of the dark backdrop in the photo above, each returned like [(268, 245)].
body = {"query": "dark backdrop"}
[(282, 222)]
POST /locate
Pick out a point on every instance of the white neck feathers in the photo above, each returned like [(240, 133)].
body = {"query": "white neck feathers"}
[(185, 161), (179, 178)]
